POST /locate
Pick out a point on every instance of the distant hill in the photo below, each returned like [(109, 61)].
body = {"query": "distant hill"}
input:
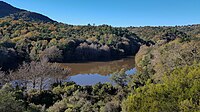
[(16, 13), (157, 33)]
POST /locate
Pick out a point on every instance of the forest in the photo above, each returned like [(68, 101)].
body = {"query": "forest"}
[(163, 82), (57, 42), (32, 78)]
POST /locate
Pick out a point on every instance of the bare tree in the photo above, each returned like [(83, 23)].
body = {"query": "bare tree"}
[(37, 73)]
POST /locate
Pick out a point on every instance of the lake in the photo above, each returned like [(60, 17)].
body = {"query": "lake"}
[(91, 73)]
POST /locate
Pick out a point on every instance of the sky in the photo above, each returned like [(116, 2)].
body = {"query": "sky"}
[(116, 12)]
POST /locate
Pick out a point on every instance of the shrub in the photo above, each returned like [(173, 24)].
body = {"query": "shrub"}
[(8, 102), (178, 92)]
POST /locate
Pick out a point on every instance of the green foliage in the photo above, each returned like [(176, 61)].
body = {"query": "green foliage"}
[(178, 92), (35, 108), (154, 61), (112, 107), (66, 89), (83, 98), (168, 33), (8, 102), (120, 78), (46, 98), (168, 48), (73, 43), (59, 106)]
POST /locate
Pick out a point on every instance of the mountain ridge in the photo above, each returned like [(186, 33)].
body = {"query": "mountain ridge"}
[(7, 10)]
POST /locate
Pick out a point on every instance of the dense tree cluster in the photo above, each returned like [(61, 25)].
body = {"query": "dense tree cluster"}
[(65, 97), (156, 34), (158, 59), (63, 43), (178, 92), (167, 78), (26, 91), (174, 47), (9, 58)]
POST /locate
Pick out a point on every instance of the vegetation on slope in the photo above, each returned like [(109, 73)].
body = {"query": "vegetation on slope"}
[(168, 73), (179, 91), (157, 60), (59, 42), (174, 47), (60, 97), (156, 34), (167, 79)]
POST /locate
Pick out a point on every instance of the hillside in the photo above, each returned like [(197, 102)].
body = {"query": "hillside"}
[(29, 36), (158, 32), (16, 13), (7, 9), (37, 57), (174, 47), (59, 42)]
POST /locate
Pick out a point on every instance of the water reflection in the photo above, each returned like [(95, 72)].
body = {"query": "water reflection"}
[(89, 79), (93, 72), (81, 73)]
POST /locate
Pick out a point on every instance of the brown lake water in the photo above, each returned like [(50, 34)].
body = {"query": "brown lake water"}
[(93, 72)]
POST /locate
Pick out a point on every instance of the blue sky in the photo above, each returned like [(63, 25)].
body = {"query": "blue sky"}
[(116, 12)]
